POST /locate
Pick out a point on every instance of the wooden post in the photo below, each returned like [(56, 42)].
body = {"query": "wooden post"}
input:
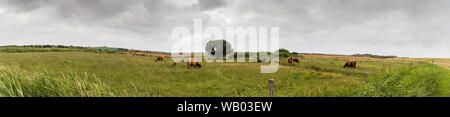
[(271, 82)]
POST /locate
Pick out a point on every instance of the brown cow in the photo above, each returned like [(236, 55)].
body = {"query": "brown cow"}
[(293, 60), (159, 58), (350, 64), (174, 64), (296, 60), (193, 64)]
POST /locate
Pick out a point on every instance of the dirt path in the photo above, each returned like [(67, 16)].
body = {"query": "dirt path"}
[(443, 62)]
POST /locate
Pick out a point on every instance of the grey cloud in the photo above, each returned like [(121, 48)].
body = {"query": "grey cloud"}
[(211, 4), (138, 16), (74, 8), (23, 5), (327, 26), (92, 8)]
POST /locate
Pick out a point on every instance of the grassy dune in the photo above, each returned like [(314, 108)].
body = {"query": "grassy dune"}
[(77, 73)]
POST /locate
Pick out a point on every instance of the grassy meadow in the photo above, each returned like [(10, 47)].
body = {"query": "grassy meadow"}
[(63, 72)]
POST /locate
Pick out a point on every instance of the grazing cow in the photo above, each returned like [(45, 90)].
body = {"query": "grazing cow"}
[(350, 64), (159, 58), (293, 60), (296, 60), (193, 64), (174, 64)]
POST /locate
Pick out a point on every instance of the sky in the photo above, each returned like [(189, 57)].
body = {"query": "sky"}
[(405, 28)]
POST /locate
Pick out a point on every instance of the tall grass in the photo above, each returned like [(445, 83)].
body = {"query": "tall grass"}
[(405, 81), (419, 80), (15, 82), (63, 74)]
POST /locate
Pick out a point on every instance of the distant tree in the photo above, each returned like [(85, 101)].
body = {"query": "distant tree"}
[(296, 54), (215, 47), (284, 53)]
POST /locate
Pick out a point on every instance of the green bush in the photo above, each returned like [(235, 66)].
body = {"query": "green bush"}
[(298, 55), (284, 53)]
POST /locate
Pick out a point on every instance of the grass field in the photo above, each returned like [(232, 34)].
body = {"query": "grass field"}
[(37, 72)]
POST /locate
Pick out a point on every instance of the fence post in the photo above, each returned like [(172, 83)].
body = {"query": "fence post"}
[(271, 83)]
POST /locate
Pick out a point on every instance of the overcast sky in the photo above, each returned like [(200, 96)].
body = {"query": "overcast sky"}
[(407, 28)]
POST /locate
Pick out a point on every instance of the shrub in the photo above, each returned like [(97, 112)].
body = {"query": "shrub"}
[(284, 53), (295, 54)]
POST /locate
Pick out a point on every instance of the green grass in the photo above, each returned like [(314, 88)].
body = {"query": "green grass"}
[(59, 74), (140, 76), (406, 81), (19, 83), (445, 84)]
